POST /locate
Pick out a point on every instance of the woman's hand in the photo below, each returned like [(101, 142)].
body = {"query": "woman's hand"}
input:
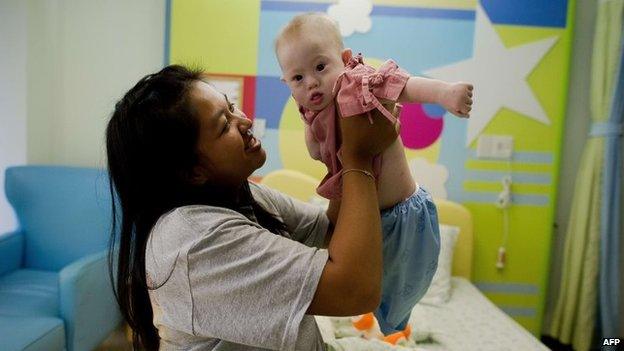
[(362, 140)]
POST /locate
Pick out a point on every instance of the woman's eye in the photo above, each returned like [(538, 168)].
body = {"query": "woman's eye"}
[(320, 67), (232, 107), (298, 77)]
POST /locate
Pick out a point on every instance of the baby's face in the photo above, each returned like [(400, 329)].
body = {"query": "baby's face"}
[(310, 70)]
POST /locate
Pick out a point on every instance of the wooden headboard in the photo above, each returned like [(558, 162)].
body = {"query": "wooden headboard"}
[(452, 213)]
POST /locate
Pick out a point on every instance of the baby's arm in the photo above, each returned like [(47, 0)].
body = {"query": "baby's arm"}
[(314, 148), (454, 97)]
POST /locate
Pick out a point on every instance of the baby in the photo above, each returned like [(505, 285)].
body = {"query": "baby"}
[(328, 82)]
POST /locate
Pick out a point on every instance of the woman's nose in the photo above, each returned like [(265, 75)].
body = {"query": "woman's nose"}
[(244, 123)]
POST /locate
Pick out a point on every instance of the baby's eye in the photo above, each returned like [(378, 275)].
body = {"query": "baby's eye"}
[(320, 67), (298, 77)]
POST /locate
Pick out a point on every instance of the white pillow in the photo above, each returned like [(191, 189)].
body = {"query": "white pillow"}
[(439, 291)]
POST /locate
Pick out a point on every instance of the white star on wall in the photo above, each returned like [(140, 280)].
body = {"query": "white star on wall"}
[(498, 75)]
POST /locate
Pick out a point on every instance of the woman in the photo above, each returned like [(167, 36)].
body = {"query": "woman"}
[(207, 260)]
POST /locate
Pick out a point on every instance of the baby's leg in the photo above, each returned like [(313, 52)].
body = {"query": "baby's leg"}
[(411, 244)]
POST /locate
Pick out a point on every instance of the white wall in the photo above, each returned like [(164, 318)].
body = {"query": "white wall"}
[(12, 97), (63, 64), (82, 56)]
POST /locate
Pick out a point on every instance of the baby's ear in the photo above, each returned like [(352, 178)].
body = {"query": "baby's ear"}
[(346, 55)]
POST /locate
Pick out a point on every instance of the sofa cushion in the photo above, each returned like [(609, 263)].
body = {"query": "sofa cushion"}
[(64, 212), (28, 292), (32, 333)]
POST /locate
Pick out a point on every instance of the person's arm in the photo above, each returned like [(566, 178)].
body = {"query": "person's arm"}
[(454, 97), (332, 215), (351, 280)]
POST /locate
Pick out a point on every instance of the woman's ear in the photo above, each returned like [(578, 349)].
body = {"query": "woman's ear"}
[(198, 176), (346, 55)]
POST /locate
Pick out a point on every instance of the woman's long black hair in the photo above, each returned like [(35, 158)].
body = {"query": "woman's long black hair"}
[(151, 144)]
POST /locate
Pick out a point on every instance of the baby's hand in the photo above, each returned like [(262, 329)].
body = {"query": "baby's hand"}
[(457, 99)]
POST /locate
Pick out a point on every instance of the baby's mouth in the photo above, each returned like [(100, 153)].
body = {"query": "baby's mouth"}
[(316, 98)]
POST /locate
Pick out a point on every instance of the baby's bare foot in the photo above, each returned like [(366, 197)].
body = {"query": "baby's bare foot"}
[(457, 99)]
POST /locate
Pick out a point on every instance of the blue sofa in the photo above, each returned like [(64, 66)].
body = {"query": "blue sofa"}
[(55, 292)]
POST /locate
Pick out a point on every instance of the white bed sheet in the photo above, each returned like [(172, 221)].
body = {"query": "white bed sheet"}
[(467, 322), (470, 321)]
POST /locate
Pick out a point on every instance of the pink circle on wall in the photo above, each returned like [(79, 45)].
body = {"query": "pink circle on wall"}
[(419, 130)]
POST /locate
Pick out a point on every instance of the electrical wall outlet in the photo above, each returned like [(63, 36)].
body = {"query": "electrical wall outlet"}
[(495, 146)]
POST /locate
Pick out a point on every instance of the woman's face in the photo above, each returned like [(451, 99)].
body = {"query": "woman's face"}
[(228, 152)]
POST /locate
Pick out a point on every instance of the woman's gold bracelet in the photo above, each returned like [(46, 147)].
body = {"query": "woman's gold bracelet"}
[(365, 172)]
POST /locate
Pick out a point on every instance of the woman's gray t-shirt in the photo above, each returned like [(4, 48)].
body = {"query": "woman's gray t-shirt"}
[(222, 282)]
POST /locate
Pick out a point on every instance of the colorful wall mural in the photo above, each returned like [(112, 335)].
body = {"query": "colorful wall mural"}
[(515, 52)]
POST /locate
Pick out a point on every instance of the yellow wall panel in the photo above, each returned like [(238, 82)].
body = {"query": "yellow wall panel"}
[(219, 36)]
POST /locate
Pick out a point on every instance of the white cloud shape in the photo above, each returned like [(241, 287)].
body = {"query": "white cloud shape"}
[(431, 176), (352, 16)]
